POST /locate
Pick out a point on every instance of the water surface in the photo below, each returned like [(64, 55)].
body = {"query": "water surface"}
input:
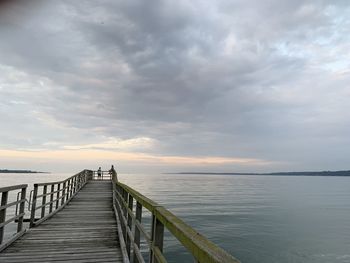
[(255, 218)]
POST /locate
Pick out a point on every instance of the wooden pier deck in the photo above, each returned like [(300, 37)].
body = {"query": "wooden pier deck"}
[(90, 217), (85, 230)]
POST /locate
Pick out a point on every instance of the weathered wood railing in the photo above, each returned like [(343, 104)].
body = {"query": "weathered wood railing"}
[(55, 195), (49, 198), (130, 230), (17, 217), (103, 175)]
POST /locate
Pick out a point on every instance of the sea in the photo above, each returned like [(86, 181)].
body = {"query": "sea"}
[(256, 218)]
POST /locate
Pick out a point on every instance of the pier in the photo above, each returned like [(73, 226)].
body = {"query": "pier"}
[(91, 218)]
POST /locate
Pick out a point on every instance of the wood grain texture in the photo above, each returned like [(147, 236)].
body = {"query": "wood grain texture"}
[(84, 231)]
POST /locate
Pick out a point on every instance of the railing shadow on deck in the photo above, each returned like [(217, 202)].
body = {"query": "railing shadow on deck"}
[(130, 230)]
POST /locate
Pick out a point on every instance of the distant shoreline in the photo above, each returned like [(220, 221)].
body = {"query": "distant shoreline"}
[(317, 173), (7, 171)]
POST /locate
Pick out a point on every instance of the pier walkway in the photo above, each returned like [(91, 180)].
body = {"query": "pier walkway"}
[(92, 218), (84, 230)]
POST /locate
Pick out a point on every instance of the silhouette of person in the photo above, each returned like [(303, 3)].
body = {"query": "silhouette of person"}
[(112, 172), (99, 172)]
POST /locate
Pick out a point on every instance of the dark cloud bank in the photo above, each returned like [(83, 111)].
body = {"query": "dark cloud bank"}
[(267, 80)]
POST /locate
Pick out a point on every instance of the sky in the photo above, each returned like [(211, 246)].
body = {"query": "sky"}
[(169, 86)]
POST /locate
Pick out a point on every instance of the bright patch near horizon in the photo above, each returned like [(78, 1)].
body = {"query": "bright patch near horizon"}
[(249, 86)]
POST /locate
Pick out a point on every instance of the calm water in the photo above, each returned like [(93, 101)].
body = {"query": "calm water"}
[(255, 218)]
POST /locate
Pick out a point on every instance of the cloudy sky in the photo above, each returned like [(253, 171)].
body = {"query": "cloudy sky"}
[(162, 85)]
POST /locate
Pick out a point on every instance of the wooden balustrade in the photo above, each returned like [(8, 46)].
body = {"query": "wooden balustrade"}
[(130, 230), (51, 197), (18, 217), (104, 175)]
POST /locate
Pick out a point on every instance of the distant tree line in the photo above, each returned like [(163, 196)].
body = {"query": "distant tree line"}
[(319, 173), (18, 171)]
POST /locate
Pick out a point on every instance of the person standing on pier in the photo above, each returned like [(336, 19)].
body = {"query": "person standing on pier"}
[(112, 172), (99, 172)]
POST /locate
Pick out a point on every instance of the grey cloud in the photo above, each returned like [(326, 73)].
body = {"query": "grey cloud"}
[(226, 78)]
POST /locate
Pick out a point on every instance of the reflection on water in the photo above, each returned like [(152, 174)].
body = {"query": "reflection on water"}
[(255, 218)]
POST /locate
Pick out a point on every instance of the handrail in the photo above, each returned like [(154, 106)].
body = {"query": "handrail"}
[(101, 175), (58, 194), (19, 217), (128, 205), (203, 250), (59, 182), (53, 196)]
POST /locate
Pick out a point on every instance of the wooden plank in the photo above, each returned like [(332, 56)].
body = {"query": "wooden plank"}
[(85, 230)]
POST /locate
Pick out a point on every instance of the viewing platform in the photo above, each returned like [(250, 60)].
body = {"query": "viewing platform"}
[(91, 218)]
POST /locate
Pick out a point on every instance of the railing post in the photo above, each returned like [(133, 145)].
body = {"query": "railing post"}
[(71, 187), (4, 198), (83, 178), (68, 190), (69, 193), (157, 237), (21, 209), (63, 192), (113, 194), (89, 175), (43, 203), (75, 184), (51, 197), (58, 194), (32, 215), (125, 197), (137, 230), (129, 225), (78, 182)]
